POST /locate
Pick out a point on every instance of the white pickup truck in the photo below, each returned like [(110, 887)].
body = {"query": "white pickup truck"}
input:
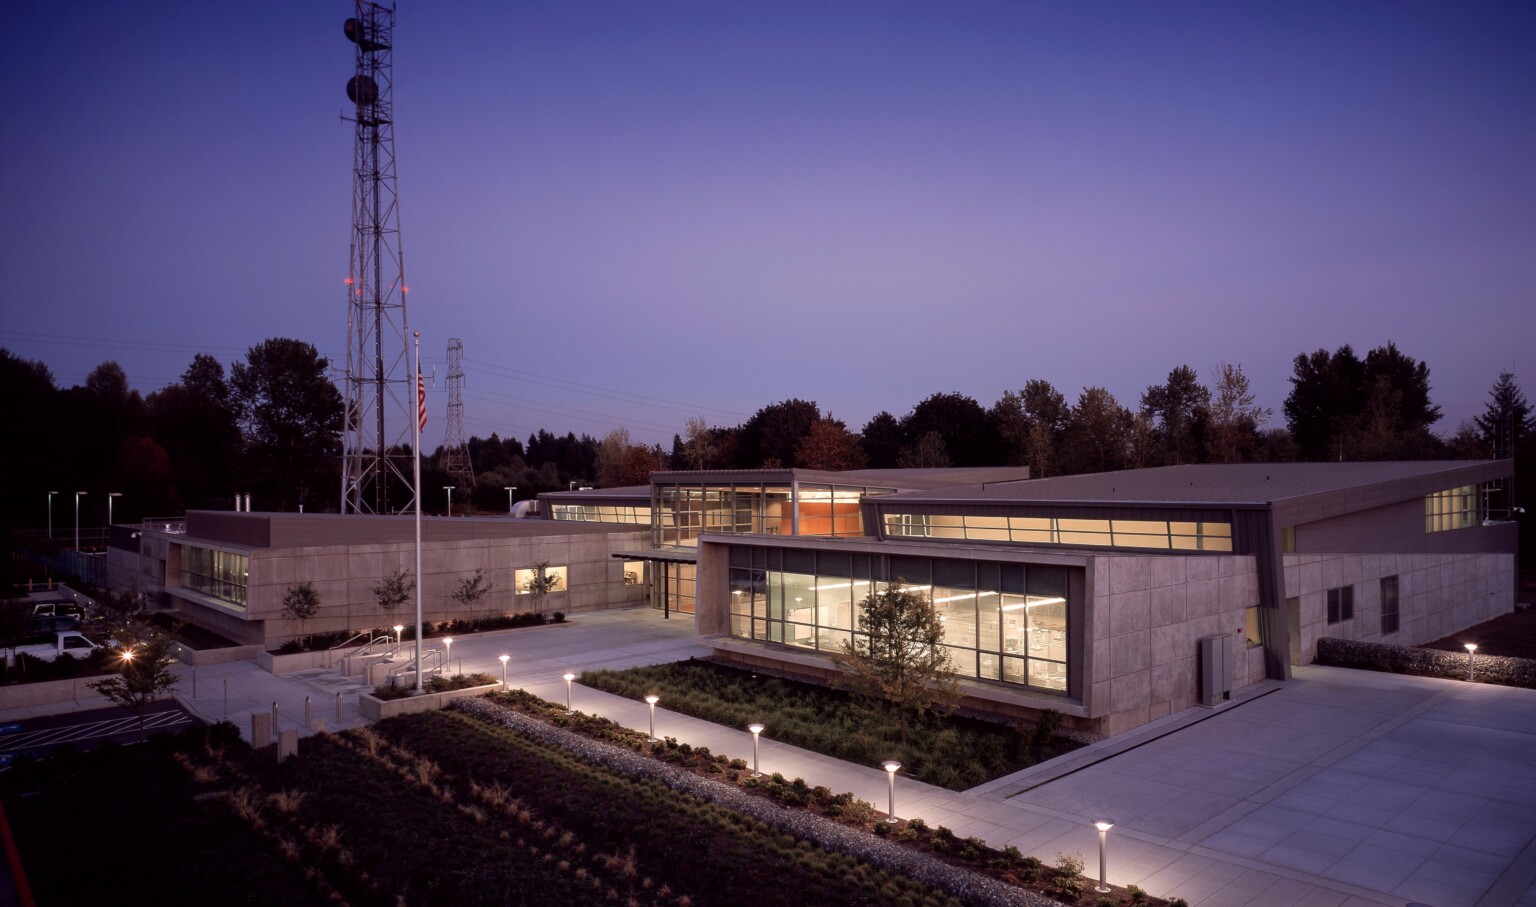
[(71, 642)]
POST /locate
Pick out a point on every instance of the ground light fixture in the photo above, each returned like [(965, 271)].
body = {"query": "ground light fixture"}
[(756, 729), (568, 677), (651, 701), (448, 659), (1103, 828), (1471, 654), (504, 659), (399, 635), (891, 767)]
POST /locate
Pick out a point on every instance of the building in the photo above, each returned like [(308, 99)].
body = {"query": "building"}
[(1094, 594), (229, 571)]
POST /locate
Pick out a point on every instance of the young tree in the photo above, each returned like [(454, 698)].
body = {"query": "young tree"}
[(301, 602), (394, 590), (144, 672), (898, 656), (1235, 419), (541, 583), (472, 590), (699, 443), (929, 452), (829, 445)]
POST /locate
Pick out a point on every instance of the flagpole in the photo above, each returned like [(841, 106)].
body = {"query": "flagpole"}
[(416, 461)]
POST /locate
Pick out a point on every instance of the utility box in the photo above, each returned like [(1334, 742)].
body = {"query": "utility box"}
[(1215, 669)]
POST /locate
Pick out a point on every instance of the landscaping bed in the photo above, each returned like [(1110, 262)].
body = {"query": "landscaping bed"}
[(950, 751), (1421, 662), (320, 642)]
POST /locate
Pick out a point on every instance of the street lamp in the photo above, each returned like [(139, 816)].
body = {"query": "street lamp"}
[(504, 660), (651, 701), (1471, 653), (50, 514), (449, 489), (110, 496), (1103, 828), (756, 729), (568, 678), (78, 496), (511, 497), (891, 767), (448, 641)]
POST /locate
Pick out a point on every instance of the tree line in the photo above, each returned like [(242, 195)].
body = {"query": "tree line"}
[(270, 426)]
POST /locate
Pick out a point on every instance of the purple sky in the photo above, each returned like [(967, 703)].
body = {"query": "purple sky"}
[(721, 205)]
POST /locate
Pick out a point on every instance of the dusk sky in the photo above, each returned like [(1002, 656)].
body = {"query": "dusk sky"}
[(637, 212)]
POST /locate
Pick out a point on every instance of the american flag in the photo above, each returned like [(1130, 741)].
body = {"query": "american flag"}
[(421, 403)]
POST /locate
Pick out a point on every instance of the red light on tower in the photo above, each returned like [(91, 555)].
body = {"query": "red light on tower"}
[(348, 281)]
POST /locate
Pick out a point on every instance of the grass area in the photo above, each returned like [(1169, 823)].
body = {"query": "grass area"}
[(948, 750)]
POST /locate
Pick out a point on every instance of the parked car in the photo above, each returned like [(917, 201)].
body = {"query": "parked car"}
[(48, 626), (58, 609), (67, 642)]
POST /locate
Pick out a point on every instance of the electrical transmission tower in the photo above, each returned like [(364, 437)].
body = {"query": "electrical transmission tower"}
[(455, 451), (380, 399)]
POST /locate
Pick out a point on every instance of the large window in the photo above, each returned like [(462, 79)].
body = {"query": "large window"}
[(535, 580), (1454, 508), (1388, 605), (682, 512), (1002, 622), (218, 574), (1164, 534), (601, 513), (1341, 604)]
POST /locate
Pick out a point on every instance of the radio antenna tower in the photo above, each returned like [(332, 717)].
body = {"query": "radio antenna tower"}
[(380, 401), (455, 451)]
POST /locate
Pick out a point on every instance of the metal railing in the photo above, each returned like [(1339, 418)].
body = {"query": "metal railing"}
[(432, 663)]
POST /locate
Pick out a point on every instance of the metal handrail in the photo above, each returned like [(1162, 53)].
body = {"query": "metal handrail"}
[(365, 650), (431, 663)]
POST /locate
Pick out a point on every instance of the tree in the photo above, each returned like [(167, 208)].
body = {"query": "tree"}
[(898, 654), (1342, 407), (541, 583), (194, 420), (1235, 419), (699, 445), (394, 590), (1179, 410), (829, 445), (1047, 414), (928, 453), (621, 463), (1506, 421), (290, 416), (144, 672), (1327, 394), (301, 603), (774, 433), (1098, 435), (967, 428), (882, 440), (472, 590)]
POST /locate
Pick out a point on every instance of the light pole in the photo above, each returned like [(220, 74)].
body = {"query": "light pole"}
[(449, 489), (110, 496), (1471, 653), (756, 730), (78, 496), (568, 678), (504, 660), (651, 701), (511, 497), (1103, 828), (50, 514), (891, 768), (448, 641)]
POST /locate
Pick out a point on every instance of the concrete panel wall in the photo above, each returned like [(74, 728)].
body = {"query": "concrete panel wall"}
[(1438, 594), (1149, 614)]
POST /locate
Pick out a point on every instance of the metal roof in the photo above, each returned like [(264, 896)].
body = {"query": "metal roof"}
[(1207, 483)]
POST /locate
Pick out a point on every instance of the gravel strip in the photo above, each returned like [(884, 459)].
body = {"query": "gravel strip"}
[(968, 886)]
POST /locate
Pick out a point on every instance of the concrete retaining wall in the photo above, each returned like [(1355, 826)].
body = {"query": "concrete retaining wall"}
[(48, 692), (375, 709)]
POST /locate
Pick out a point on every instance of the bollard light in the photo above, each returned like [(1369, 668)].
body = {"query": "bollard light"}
[(568, 677), (448, 659), (399, 628), (891, 767), (1103, 828), (504, 660), (651, 701), (1471, 654), (756, 730)]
